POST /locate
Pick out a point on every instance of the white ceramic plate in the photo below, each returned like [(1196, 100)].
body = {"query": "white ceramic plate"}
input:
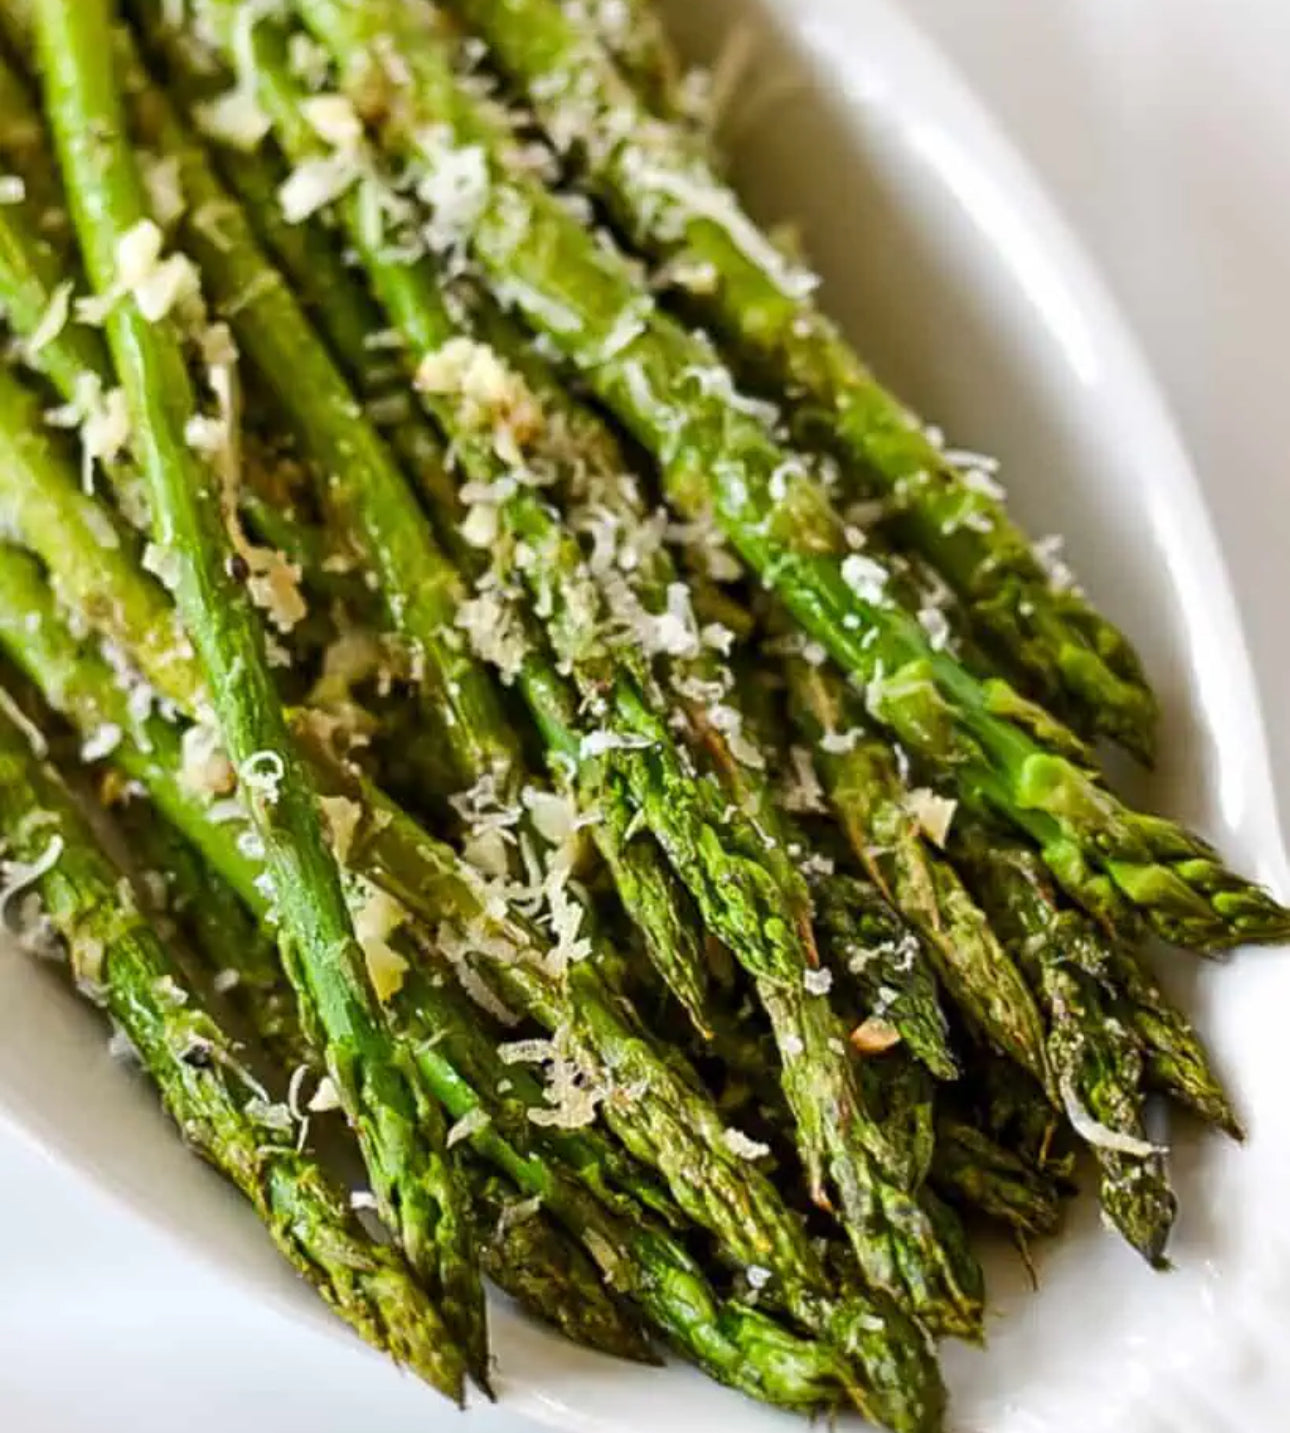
[(956, 277)]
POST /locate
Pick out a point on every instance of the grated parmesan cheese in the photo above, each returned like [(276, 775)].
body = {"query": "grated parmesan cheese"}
[(817, 982), (341, 817), (599, 743), (18, 876), (742, 1145), (1099, 1135), (102, 742), (325, 1098), (53, 321), (866, 578)]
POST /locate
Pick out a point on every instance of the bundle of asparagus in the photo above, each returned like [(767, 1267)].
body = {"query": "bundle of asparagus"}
[(689, 919)]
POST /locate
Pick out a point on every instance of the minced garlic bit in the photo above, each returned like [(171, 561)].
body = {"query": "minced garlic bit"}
[(934, 813), (375, 921), (341, 817), (874, 1036), (206, 769), (737, 1142)]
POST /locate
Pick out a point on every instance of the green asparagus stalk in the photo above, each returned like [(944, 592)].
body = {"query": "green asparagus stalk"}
[(1177, 1062), (650, 892), (676, 1131), (736, 896), (521, 1250), (669, 389), (241, 957), (671, 203), (878, 816), (422, 589), (972, 1169), (1097, 1060), (400, 1126), (732, 891), (530, 1258), (633, 33), (94, 568), (904, 1248), (752, 1354), (117, 960)]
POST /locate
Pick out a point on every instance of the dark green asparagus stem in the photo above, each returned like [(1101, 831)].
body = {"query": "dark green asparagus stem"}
[(732, 891), (676, 1131), (242, 958), (1097, 1060), (538, 1265), (364, 485), (1176, 1060), (667, 198), (91, 561), (399, 1124), (875, 810), (117, 960), (668, 388), (972, 1169), (521, 1250)]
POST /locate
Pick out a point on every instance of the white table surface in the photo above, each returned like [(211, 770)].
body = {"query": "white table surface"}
[(1163, 129)]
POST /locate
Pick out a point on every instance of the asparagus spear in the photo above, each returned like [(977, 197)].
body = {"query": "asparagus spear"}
[(669, 389), (117, 960), (521, 1250), (1098, 1061), (732, 890), (400, 1127), (633, 33), (422, 589), (973, 1169), (650, 892), (878, 816), (538, 1265), (89, 556), (669, 201), (749, 1352), (240, 956), (1176, 1060), (908, 1248)]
